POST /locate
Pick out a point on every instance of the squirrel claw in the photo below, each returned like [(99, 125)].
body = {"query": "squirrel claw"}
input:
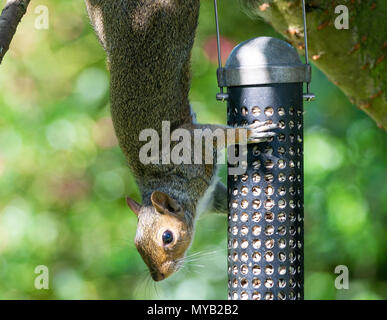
[(259, 132)]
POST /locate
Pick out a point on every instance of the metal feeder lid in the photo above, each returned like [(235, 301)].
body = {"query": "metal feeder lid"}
[(263, 60)]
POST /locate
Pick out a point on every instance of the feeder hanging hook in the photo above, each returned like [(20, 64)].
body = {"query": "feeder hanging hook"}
[(222, 96)]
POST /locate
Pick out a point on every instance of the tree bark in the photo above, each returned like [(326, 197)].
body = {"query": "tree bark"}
[(353, 59), (10, 18)]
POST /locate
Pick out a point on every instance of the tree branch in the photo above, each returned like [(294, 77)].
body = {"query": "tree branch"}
[(10, 18), (352, 59)]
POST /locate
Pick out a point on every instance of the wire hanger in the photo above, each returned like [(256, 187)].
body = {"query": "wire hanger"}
[(222, 96)]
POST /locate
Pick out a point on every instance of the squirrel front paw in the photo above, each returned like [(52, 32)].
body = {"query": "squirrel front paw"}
[(259, 131)]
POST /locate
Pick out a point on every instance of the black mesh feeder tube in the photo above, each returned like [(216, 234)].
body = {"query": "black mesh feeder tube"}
[(264, 79)]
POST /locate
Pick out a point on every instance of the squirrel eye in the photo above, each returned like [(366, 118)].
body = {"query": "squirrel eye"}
[(167, 237)]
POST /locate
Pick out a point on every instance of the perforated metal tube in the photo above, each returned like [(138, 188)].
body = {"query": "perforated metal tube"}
[(265, 236)]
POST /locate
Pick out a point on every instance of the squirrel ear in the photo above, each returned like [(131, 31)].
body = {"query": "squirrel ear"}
[(163, 203), (134, 205)]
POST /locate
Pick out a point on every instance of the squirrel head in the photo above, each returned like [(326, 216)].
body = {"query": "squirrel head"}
[(163, 234)]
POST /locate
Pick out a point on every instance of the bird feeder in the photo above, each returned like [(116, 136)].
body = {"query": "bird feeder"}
[(264, 79)]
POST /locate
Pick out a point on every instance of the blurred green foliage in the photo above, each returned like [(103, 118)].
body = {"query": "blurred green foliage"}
[(63, 178)]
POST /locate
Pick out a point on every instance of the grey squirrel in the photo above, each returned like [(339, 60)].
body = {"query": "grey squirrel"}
[(148, 46)]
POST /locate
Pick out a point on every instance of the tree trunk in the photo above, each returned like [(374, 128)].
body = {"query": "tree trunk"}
[(10, 18), (353, 59)]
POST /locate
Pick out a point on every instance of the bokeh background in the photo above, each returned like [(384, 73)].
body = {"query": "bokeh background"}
[(63, 178)]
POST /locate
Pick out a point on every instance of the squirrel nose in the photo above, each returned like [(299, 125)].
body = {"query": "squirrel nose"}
[(157, 276)]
